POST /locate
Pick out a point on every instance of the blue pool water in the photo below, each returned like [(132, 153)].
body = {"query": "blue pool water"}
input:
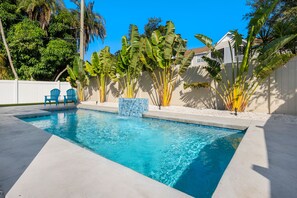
[(188, 157)]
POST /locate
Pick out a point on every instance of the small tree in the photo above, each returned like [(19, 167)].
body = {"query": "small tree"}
[(101, 66), (129, 66), (77, 77), (165, 59), (236, 89)]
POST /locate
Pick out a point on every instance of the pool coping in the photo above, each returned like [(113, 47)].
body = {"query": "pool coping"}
[(243, 176)]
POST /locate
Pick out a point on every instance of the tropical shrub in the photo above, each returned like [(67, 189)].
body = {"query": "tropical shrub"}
[(237, 87), (129, 66), (165, 59), (101, 66), (78, 77), (25, 45), (54, 59)]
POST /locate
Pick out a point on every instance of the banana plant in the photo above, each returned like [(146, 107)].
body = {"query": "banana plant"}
[(78, 77), (237, 87), (129, 66), (165, 59), (101, 66)]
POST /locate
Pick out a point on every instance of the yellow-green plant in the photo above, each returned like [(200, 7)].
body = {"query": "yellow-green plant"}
[(165, 59), (129, 66), (78, 77), (101, 66), (237, 87)]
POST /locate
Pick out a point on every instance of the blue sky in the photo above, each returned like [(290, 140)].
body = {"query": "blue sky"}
[(213, 18)]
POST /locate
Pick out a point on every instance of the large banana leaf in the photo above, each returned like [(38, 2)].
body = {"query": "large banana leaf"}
[(156, 37), (270, 49), (266, 68), (168, 48), (170, 28), (71, 73), (213, 68), (186, 62), (205, 40), (90, 69), (149, 49), (255, 25)]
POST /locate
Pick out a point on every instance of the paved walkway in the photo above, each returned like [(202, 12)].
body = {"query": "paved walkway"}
[(37, 164)]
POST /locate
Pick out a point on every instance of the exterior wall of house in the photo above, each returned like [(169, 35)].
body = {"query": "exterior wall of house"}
[(282, 92)]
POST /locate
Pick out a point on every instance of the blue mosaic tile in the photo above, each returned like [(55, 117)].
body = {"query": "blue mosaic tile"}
[(134, 107)]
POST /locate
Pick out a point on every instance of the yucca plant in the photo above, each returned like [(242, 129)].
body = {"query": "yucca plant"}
[(101, 66), (165, 59), (129, 66), (237, 88), (78, 77)]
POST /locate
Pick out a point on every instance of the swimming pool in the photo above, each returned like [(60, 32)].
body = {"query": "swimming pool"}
[(188, 157)]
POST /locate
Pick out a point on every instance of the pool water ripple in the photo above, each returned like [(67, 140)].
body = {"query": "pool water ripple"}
[(162, 150)]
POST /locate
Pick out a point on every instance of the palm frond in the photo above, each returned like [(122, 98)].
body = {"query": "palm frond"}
[(205, 40)]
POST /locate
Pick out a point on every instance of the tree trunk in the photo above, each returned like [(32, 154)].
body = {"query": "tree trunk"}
[(102, 88), (82, 14), (8, 52), (57, 78)]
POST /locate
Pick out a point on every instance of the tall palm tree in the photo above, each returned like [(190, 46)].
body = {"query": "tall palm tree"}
[(94, 23), (40, 10)]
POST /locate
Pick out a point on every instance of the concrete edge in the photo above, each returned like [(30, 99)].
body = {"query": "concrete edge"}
[(192, 121), (98, 108)]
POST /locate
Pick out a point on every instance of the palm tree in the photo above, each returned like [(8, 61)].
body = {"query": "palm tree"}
[(40, 10), (94, 23)]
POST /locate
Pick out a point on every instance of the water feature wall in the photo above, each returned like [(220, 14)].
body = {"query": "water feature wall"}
[(134, 107)]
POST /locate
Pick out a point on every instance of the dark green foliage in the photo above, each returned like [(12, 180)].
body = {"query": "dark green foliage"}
[(43, 35), (64, 25), (26, 40), (282, 17), (54, 58), (154, 23), (8, 13)]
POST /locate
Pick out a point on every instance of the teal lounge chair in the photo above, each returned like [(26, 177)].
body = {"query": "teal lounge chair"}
[(54, 96), (70, 96)]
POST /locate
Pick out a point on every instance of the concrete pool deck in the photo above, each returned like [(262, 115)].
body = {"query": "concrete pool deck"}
[(34, 163)]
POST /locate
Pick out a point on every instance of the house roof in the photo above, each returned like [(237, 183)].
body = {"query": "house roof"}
[(199, 50)]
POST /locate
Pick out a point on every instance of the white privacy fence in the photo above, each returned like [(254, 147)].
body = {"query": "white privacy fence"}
[(19, 91)]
